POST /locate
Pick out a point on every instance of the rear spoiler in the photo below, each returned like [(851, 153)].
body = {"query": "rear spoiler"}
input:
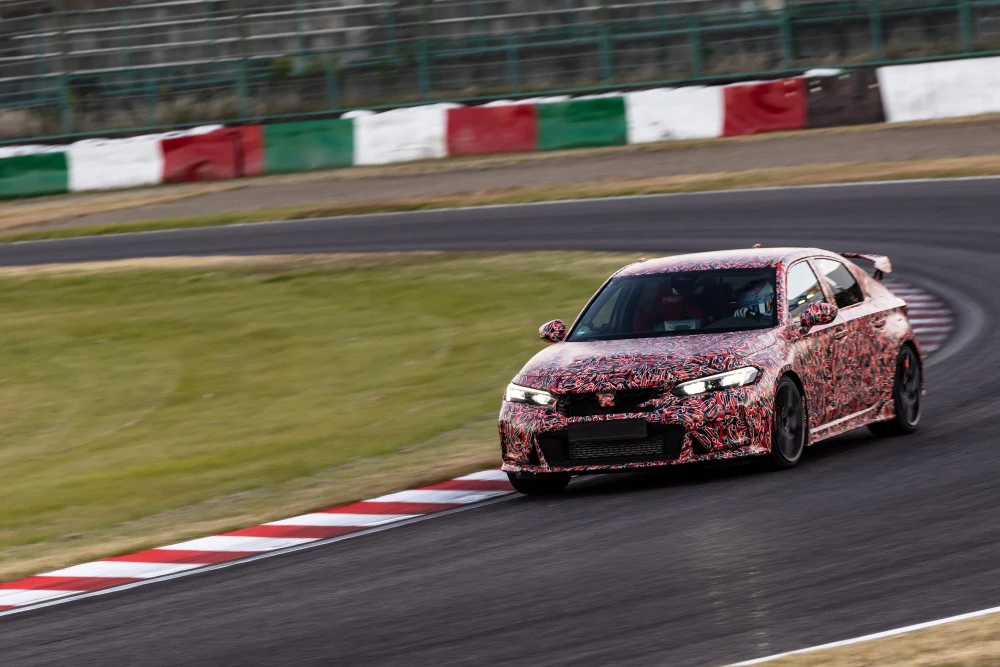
[(881, 262)]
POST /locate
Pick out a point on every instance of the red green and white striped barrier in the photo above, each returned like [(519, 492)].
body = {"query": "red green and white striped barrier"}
[(817, 99)]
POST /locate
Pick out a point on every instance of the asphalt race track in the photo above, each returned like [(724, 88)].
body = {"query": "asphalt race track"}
[(690, 567)]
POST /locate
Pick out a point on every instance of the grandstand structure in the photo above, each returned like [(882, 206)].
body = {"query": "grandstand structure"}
[(78, 67)]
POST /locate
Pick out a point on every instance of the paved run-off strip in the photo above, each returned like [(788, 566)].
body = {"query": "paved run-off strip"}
[(932, 323)]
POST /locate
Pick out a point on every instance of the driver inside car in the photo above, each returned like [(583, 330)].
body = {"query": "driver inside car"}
[(755, 301)]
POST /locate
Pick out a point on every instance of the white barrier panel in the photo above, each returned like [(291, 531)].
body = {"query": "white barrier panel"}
[(940, 90), (101, 164), (401, 135), (663, 114)]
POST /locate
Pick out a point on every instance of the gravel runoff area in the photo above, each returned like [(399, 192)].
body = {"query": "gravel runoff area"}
[(877, 143)]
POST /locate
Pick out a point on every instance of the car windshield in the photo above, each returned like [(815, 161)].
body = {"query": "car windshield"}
[(668, 304)]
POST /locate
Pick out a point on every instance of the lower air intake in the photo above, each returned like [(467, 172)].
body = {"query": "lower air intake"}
[(662, 443), (651, 447)]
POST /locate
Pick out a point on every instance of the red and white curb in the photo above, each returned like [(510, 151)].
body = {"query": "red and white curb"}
[(932, 323), (249, 542), (931, 319)]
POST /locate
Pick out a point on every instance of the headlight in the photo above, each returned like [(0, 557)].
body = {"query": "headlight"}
[(518, 394), (727, 380)]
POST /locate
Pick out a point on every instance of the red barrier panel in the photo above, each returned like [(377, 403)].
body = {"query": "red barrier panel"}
[(212, 156), (501, 129), (250, 144), (769, 106)]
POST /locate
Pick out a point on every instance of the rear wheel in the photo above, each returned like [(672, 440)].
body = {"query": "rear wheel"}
[(545, 484), (788, 432), (906, 397)]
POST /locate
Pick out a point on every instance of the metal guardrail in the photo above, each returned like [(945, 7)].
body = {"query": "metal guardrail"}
[(67, 72)]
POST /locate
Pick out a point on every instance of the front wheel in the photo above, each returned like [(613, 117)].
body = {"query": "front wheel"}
[(906, 394), (545, 484), (788, 432)]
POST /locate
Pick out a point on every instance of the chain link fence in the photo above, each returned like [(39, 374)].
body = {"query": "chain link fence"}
[(72, 68)]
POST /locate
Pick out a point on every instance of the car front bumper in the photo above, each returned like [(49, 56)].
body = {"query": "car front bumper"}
[(726, 424)]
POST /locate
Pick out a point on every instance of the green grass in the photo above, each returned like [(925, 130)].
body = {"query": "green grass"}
[(141, 406)]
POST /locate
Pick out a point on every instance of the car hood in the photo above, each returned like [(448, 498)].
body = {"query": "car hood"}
[(639, 362)]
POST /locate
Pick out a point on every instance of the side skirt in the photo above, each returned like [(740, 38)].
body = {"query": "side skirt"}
[(852, 421)]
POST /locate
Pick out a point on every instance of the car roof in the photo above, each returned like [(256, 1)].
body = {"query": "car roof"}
[(747, 258)]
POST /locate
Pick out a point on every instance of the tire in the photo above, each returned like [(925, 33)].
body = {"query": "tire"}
[(788, 428), (539, 485), (906, 397)]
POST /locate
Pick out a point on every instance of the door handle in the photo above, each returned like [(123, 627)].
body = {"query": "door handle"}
[(840, 333)]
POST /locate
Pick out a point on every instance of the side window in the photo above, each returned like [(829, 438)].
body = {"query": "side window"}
[(803, 289), (846, 289)]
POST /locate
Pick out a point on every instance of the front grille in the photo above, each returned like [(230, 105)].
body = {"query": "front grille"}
[(663, 443), (626, 400), (612, 449)]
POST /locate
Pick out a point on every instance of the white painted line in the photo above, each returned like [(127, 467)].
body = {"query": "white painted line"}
[(425, 496), (340, 519), (19, 596), (239, 543), (877, 635), (918, 321), (114, 568), (487, 475)]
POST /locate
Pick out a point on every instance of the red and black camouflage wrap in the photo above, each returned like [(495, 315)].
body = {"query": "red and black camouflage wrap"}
[(845, 369)]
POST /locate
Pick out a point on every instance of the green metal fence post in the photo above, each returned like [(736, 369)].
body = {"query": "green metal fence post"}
[(663, 21), (697, 48), (332, 88), (875, 28), (389, 23), (423, 71), (41, 92), (423, 60), (965, 25), (787, 43), (149, 92), (481, 33), (604, 54), (242, 91), (298, 65), (65, 106), (513, 65), (569, 18)]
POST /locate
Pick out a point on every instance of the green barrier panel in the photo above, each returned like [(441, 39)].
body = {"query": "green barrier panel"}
[(32, 175), (581, 123), (308, 145)]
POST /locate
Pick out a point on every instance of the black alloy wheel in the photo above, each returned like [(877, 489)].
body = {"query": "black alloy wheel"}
[(907, 394), (544, 484), (788, 433)]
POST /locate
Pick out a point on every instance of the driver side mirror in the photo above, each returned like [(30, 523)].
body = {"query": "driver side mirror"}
[(553, 332), (817, 314)]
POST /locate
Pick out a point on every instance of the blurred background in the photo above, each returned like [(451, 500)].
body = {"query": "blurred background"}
[(78, 67)]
